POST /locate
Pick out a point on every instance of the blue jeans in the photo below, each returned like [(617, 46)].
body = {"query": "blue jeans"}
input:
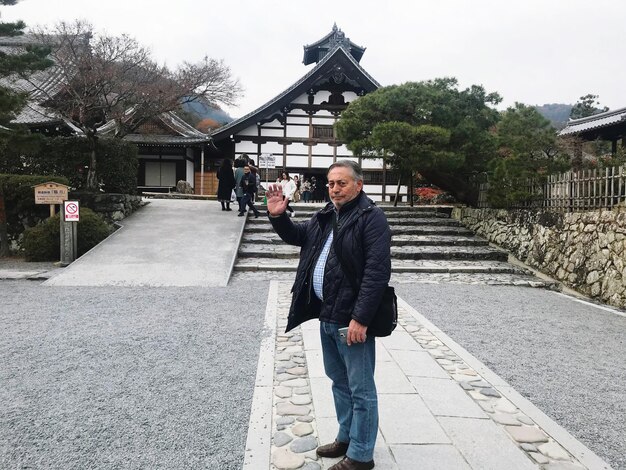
[(351, 369)]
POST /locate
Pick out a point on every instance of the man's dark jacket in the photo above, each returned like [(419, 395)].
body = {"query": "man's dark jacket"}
[(363, 241)]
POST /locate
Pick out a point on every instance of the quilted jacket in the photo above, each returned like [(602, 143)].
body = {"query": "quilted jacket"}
[(363, 239)]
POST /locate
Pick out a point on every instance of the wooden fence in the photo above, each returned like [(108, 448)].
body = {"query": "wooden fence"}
[(573, 191)]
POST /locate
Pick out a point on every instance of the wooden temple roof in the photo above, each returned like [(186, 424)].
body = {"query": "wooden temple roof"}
[(165, 129), (316, 51), (607, 125), (338, 60)]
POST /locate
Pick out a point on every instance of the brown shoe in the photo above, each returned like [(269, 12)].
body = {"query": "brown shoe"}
[(349, 464), (333, 450)]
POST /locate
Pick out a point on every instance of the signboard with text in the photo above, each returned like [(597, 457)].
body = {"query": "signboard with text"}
[(50, 193), (267, 160), (71, 211)]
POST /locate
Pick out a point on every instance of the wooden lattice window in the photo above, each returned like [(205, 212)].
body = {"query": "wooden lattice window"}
[(323, 132)]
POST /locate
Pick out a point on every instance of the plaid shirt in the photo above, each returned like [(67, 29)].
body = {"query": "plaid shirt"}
[(318, 272)]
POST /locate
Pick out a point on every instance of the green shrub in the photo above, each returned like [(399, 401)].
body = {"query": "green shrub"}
[(42, 242), (70, 156)]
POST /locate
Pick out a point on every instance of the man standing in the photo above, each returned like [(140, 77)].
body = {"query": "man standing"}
[(349, 232)]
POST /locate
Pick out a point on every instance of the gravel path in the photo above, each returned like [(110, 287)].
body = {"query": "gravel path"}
[(567, 358), (112, 378)]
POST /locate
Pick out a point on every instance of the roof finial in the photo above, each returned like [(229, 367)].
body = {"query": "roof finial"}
[(335, 26)]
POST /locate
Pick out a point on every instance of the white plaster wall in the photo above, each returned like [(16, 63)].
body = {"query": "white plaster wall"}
[(321, 162), (349, 96), (323, 113), (321, 95), (323, 149), (298, 120), (296, 161), (297, 147), (279, 159), (298, 131), (271, 132), (372, 163), (343, 151), (272, 147), (245, 147)]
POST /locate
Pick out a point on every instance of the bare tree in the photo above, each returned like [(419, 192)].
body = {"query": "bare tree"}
[(98, 78)]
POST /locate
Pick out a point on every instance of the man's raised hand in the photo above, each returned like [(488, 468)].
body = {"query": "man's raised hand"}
[(276, 204)]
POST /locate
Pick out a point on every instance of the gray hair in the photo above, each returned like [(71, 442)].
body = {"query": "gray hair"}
[(357, 172)]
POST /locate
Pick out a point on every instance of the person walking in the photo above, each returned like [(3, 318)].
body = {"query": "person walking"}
[(226, 184), (296, 193), (306, 190), (349, 231), (248, 183), (289, 188), (239, 164)]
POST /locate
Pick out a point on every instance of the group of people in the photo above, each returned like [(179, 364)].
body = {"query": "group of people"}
[(243, 182)]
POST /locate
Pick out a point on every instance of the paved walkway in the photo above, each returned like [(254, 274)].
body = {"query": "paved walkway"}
[(440, 408), (166, 243)]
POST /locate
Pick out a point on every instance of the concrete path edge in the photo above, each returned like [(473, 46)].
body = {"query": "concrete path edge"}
[(584, 455), (258, 442)]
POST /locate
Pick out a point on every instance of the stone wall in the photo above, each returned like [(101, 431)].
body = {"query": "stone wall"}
[(112, 207), (583, 250)]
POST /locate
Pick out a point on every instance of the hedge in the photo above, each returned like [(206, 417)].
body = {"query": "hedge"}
[(43, 242), (117, 161)]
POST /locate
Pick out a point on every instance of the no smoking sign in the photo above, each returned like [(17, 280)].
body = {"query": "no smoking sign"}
[(71, 211)]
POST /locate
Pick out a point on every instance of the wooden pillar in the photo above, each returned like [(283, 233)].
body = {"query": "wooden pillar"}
[(614, 146)]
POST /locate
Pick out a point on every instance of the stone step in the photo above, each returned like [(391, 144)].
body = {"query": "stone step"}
[(397, 266), (453, 277), (397, 252), (396, 240), (401, 209), (395, 230), (307, 214), (392, 221)]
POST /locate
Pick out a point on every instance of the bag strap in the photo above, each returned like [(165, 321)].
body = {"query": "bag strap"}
[(344, 266)]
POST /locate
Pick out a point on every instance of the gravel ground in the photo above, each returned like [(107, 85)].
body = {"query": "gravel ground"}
[(567, 358), (120, 378)]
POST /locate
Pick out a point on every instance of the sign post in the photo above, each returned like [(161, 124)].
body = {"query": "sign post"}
[(52, 193), (70, 216), (267, 161)]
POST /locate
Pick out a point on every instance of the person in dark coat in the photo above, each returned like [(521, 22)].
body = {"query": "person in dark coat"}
[(353, 229), (226, 184), (248, 183)]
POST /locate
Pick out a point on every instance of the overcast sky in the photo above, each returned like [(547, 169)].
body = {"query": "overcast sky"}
[(532, 51)]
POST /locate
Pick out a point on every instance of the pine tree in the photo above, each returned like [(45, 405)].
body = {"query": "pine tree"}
[(11, 102)]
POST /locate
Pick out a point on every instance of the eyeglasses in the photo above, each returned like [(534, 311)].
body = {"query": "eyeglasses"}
[(341, 184)]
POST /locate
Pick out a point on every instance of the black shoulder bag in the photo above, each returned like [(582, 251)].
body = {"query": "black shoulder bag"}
[(385, 319)]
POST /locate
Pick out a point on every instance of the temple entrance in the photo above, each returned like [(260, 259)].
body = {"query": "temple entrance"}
[(320, 192)]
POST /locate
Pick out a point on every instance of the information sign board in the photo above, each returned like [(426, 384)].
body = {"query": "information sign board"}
[(50, 193), (267, 160)]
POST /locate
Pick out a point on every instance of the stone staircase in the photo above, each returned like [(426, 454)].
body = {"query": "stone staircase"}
[(425, 240)]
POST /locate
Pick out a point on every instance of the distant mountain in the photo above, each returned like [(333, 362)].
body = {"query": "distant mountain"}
[(557, 114), (204, 116)]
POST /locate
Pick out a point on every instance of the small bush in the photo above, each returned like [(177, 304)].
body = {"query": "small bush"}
[(42, 242)]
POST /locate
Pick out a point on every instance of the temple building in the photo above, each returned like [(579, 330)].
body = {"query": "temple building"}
[(296, 127), (609, 126)]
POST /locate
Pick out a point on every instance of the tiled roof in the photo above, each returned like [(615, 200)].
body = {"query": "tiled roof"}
[(148, 139), (328, 41), (39, 86), (293, 89), (181, 132), (597, 121)]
